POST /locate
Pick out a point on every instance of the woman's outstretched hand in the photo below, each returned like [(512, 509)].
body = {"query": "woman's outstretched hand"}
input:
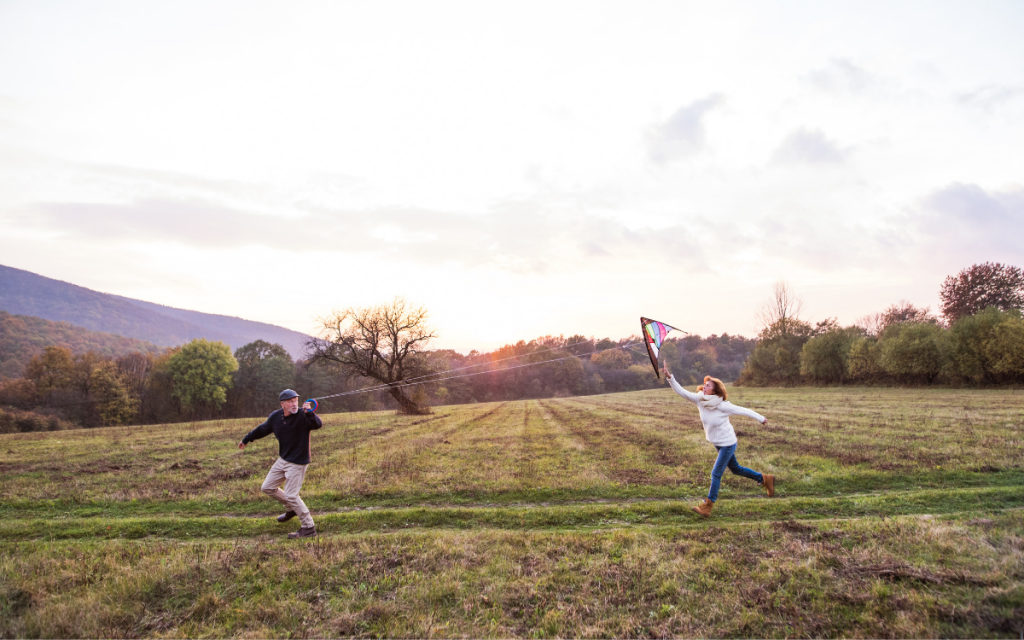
[(666, 372), (765, 421)]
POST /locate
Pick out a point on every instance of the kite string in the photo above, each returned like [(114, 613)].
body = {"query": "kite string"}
[(465, 375), (410, 383), (481, 364)]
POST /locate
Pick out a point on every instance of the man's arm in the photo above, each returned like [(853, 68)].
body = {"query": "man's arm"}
[(313, 421), (261, 431)]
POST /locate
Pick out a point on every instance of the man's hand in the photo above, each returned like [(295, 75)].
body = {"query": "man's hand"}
[(307, 405), (241, 445)]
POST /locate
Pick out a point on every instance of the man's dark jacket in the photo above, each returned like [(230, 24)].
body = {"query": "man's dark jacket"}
[(292, 433)]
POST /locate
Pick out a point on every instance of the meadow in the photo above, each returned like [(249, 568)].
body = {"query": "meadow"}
[(898, 514)]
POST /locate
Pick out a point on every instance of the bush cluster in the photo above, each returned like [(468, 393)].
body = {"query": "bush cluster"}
[(17, 421), (985, 348)]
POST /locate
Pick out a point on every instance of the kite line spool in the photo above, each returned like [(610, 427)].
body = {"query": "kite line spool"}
[(312, 401)]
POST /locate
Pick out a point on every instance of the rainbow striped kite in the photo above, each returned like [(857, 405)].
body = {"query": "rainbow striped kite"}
[(654, 333)]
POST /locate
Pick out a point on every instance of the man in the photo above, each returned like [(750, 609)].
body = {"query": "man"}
[(291, 427)]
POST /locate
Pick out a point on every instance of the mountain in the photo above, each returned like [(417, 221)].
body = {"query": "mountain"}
[(22, 337), (29, 294)]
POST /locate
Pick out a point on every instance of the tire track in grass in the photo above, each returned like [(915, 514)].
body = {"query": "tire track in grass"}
[(674, 427), (578, 517), (403, 465), (615, 442), (526, 470), (468, 458), (847, 443), (562, 457)]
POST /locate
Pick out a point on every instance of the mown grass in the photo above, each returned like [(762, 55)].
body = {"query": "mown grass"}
[(899, 513)]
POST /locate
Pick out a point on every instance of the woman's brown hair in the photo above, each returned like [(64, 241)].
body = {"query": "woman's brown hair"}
[(719, 387)]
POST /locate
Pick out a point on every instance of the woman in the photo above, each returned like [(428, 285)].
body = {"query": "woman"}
[(712, 402)]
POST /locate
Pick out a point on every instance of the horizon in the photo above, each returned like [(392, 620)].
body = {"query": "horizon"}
[(515, 169), (466, 352)]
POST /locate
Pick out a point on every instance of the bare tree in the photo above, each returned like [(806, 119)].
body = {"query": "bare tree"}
[(903, 311), (383, 342), (783, 305), (870, 324), (982, 285)]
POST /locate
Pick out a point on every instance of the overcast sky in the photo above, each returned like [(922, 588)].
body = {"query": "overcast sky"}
[(520, 168)]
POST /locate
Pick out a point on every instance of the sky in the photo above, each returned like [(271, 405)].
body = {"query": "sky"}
[(519, 169)]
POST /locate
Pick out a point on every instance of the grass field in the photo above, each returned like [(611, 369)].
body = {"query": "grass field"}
[(898, 514)]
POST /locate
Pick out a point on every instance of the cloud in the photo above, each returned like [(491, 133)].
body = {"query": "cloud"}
[(683, 133), (840, 76), (805, 146), (189, 222), (989, 97), (951, 226), (520, 236), (965, 218), (817, 237)]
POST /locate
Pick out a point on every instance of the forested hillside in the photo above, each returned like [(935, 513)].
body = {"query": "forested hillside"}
[(26, 293), (22, 337)]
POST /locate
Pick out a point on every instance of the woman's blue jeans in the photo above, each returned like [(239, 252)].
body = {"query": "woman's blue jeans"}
[(727, 458)]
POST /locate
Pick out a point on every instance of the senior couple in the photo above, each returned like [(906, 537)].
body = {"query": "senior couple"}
[(292, 426)]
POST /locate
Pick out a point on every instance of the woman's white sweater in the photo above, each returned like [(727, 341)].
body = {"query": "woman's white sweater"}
[(714, 413)]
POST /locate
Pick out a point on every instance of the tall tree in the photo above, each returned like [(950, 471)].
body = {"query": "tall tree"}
[(52, 370), (264, 369), (991, 284), (781, 309), (385, 343), (115, 403), (201, 374)]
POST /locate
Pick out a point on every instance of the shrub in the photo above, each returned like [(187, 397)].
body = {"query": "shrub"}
[(974, 348), (862, 361), (1006, 349), (776, 358), (19, 393), (612, 359), (825, 358), (645, 373), (911, 352), (16, 421)]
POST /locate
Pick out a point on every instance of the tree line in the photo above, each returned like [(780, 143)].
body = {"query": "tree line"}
[(977, 338), (204, 380)]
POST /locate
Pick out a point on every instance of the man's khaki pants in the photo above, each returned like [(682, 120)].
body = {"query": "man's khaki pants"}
[(291, 476)]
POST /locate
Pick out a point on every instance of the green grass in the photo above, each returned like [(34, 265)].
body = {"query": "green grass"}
[(898, 513)]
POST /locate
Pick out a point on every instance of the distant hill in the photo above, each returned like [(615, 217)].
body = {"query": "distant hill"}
[(29, 294), (22, 337)]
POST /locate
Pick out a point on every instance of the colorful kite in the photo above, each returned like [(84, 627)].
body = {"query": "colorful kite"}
[(654, 333)]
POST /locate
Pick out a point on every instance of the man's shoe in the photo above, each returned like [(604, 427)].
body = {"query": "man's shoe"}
[(285, 517), (769, 484), (704, 508), (303, 532)]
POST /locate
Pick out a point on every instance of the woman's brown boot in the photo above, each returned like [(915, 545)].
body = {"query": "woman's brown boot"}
[(769, 484), (704, 508)]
